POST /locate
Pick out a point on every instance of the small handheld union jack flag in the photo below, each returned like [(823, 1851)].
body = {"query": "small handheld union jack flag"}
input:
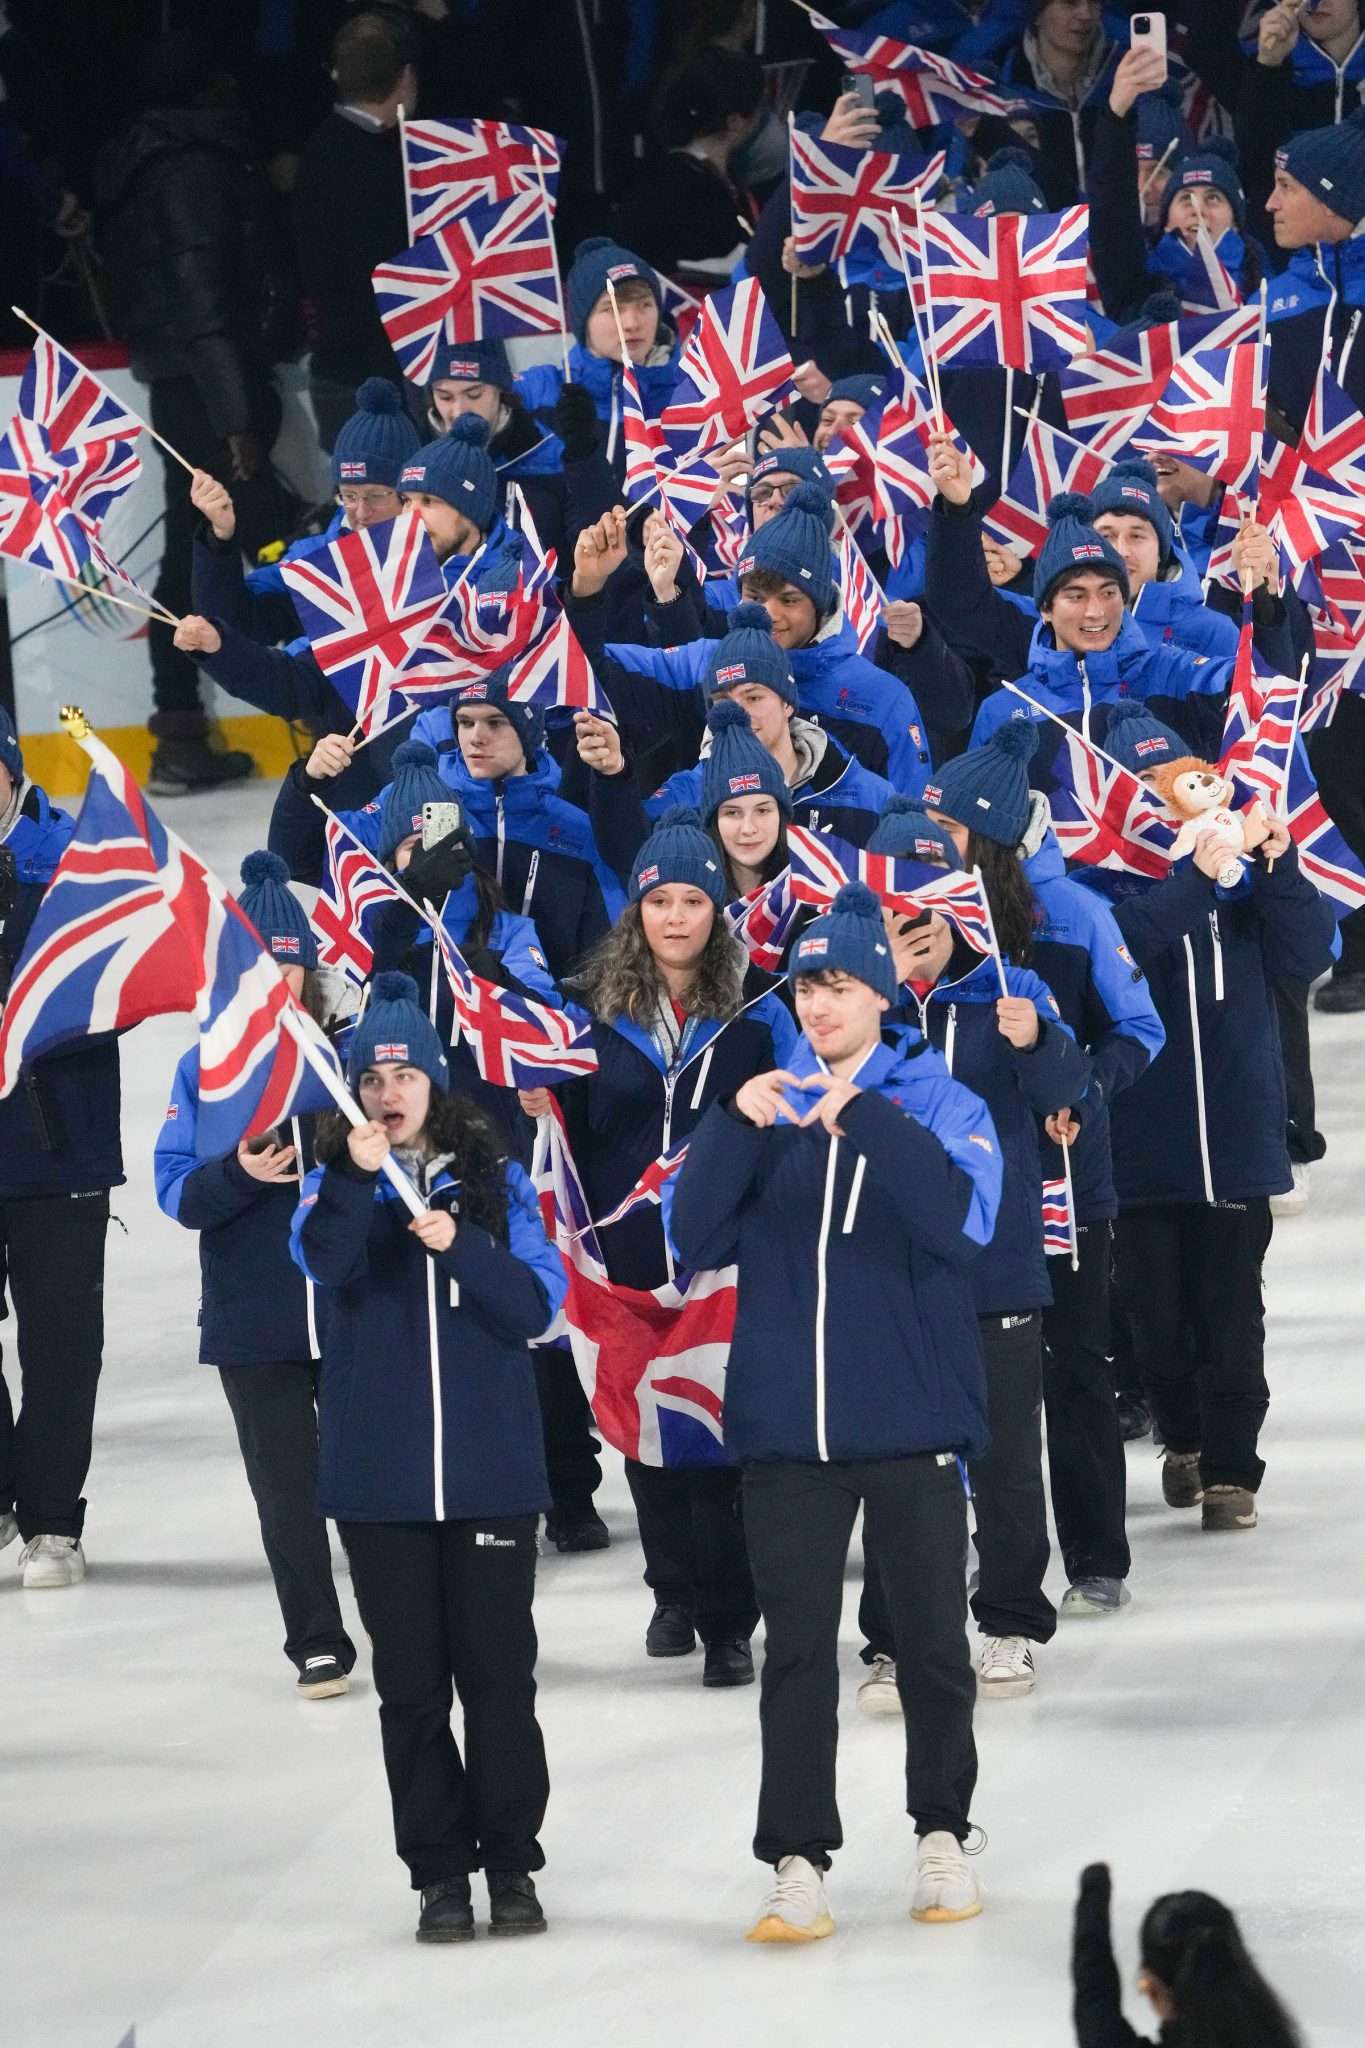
[(1059, 1221), (821, 864), (450, 166), (491, 271), (933, 88), (844, 200), (1108, 392), (354, 883), (730, 372), (648, 1190), (82, 436), (1048, 464), (1212, 413), (1333, 437), (863, 596), (764, 920), (516, 1043), (1007, 289), (1103, 816)]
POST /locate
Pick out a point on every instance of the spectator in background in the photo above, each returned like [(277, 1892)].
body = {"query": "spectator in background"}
[(349, 212), (203, 295), (1062, 61), (1305, 68), (690, 216)]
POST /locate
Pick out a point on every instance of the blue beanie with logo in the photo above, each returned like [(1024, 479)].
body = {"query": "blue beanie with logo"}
[(458, 469), (1212, 167), (596, 263), (378, 438), (1007, 185), (807, 465), (1137, 741), (849, 939), (1330, 162), (738, 764), (276, 912), (1160, 122), (749, 654), (1130, 489), (678, 850), (527, 719), (986, 789), (795, 546), (394, 1032), (11, 753), (474, 362), (416, 781), (905, 831), (867, 388), (1072, 545)]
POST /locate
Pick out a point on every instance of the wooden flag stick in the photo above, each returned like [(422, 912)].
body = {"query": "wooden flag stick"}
[(366, 737), (1071, 1198), (403, 159), (88, 590), (160, 439)]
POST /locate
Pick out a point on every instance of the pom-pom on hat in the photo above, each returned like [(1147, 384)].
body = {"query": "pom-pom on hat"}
[(377, 440), (11, 753), (458, 469), (276, 912), (897, 137), (1211, 167), (1007, 185), (395, 1032), (416, 781), (795, 545), (1073, 545), (749, 654), (597, 262), (849, 939), (1138, 741), (474, 362), (1130, 488), (1330, 162), (738, 765), (679, 851), (987, 788), (528, 719), (905, 831)]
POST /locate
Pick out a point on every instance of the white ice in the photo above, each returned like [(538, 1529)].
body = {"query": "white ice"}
[(186, 1848)]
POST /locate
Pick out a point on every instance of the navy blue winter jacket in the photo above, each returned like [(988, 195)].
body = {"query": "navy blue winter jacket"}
[(856, 1336), (838, 793), (427, 1408)]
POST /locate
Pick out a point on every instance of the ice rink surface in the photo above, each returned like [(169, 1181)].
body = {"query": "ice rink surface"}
[(188, 1849)]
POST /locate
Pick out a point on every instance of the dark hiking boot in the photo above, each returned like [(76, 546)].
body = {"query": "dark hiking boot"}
[(447, 1911), (1229, 1507), (670, 1633), (728, 1664), (513, 1907), (1180, 1482)]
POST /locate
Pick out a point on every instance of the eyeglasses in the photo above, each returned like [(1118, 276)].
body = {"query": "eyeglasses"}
[(765, 493)]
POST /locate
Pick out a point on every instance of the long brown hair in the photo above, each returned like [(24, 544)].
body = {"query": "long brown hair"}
[(619, 978), (1007, 892), (454, 1125), (768, 871)]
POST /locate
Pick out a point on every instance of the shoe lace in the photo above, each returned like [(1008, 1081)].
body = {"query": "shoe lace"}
[(883, 1668), (1011, 1650), (789, 1887), (941, 1863)]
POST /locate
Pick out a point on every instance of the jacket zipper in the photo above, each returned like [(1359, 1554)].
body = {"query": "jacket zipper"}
[(611, 429), (1217, 957), (1339, 372), (670, 1083), (502, 834), (309, 1303), (950, 1037), (437, 1428), (1198, 1073), (821, 1300), (1085, 697), (533, 869), (851, 1212)]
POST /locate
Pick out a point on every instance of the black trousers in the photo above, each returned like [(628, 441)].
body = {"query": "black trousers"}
[(1086, 1465), (570, 1447), (1338, 757), (443, 1603), (52, 1256), (1189, 1275), (692, 1534), (1011, 1506), (1303, 1140), (799, 1518), (263, 514), (275, 1410)]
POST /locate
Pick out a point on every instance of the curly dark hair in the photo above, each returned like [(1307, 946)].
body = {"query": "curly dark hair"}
[(454, 1124), (619, 977), (1008, 893)]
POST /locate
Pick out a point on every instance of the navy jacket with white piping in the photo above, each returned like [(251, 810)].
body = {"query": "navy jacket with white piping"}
[(427, 1408), (1207, 1122), (856, 1336), (254, 1304), (958, 1017)]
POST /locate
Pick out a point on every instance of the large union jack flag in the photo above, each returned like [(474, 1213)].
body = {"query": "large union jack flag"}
[(490, 272), (730, 372), (80, 435), (652, 1361), (453, 165), (1333, 437), (354, 885), (1212, 413), (1007, 289), (1108, 392), (933, 88), (821, 864), (516, 1042), (1324, 856), (844, 201), (1048, 463)]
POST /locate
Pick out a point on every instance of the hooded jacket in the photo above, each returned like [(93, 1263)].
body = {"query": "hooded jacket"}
[(1315, 310), (541, 384), (834, 791), (427, 1408), (855, 1335)]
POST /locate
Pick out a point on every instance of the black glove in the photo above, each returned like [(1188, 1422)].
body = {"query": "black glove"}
[(575, 421), (433, 871)]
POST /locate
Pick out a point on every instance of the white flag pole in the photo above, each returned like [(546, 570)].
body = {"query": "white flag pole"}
[(1071, 1210), (113, 396)]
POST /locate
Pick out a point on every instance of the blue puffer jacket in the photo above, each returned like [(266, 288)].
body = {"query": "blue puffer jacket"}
[(255, 1307), (1079, 951), (1172, 613), (59, 1128), (1315, 312), (958, 1017), (541, 385), (856, 1336), (1206, 1122), (427, 1408)]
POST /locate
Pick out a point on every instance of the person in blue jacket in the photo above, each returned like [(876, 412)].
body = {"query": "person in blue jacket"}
[(476, 377), (431, 1461), (256, 1316), (60, 1154), (1014, 1050), (746, 803), (1199, 1146), (1001, 826), (673, 1033), (1317, 303), (853, 1188)]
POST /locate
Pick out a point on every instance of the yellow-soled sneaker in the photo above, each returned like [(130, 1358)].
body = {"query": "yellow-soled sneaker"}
[(795, 1908)]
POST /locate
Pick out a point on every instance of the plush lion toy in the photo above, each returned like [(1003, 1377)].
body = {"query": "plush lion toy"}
[(1197, 798)]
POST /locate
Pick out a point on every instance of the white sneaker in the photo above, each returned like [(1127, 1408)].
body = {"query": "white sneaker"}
[(877, 1694), (1294, 1200), (795, 1908), (51, 1561), (9, 1529), (945, 1884), (1005, 1668)]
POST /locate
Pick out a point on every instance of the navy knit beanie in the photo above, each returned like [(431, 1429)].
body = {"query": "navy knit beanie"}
[(1072, 544), (986, 789), (416, 781), (678, 850), (1130, 487), (738, 765), (897, 137), (1159, 122), (1007, 185), (1137, 741), (474, 362), (867, 388), (11, 753), (276, 912), (1331, 163), (394, 1032), (597, 262), (378, 438), (528, 719), (795, 545), (1214, 167), (749, 654), (905, 831), (457, 469), (807, 465), (849, 939)]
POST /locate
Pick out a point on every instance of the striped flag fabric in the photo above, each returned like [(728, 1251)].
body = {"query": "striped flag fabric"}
[(648, 1190), (450, 166), (863, 596), (1057, 1223), (1212, 413), (355, 883), (933, 87), (822, 864), (1005, 289), (1048, 463), (1103, 816), (845, 202), (730, 372), (1108, 392), (516, 1042), (491, 271), (764, 920), (83, 437)]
